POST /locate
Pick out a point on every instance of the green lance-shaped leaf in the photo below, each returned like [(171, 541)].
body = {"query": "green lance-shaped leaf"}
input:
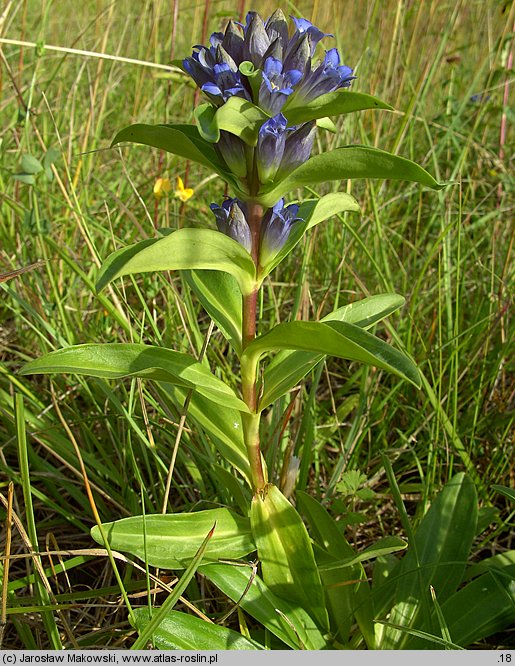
[(237, 116), (182, 250), (117, 360), (170, 541), (507, 492), (178, 631), (284, 549), (221, 299), (287, 368), (312, 211), (146, 632), (332, 104), (348, 162), (285, 619), (483, 607), (327, 125), (437, 557), (338, 339), (181, 140), (30, 164), (347, 589), (208, 129), (504, 563), (382, 547)]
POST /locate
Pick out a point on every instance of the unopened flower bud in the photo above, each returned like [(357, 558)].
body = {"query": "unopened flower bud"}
[(277, 28), (230, 220), (232, 149), (256, 41)]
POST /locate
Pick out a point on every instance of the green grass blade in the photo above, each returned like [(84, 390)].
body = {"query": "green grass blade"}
[(41, 591), (154, 623)]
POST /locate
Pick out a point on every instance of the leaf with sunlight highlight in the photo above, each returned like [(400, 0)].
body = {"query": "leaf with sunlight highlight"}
[(171, 540), (182, 250), (348, 162), (117, 360)]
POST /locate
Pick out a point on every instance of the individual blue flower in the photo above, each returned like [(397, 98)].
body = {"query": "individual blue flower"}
[(276, 229), (314, 35), (270, 147), (327, 77), (297, 54), (297, 149), (276, 86), (231, 41), (231, 221), (215, 72), (302, 45), (225, 84)]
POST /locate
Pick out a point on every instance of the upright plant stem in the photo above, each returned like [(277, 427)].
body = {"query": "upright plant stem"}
[(249, 370)]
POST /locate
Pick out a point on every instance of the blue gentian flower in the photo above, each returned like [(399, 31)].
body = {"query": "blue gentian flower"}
[(270, 147), (215, 71), (231, 221), (231, 41), (277, 30), (285, 62), (288, 78), (225, 84), (281, 149), (297, 149), (301, 47), (325, 78), (314, 35), (277, 226), (277, 85)]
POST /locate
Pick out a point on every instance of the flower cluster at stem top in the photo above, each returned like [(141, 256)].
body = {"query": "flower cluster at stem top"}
[(285, 63), (261, 63)]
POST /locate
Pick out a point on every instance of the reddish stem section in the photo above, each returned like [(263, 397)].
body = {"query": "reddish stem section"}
[(254, 217), (249, 375)]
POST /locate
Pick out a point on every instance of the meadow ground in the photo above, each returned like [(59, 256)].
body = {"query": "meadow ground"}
[(445, 68)]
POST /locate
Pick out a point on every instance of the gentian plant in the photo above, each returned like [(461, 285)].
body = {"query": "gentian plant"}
[(268, 92)]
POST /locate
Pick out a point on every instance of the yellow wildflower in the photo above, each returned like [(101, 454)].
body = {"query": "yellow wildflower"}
[(161, 187), (181, 192)]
